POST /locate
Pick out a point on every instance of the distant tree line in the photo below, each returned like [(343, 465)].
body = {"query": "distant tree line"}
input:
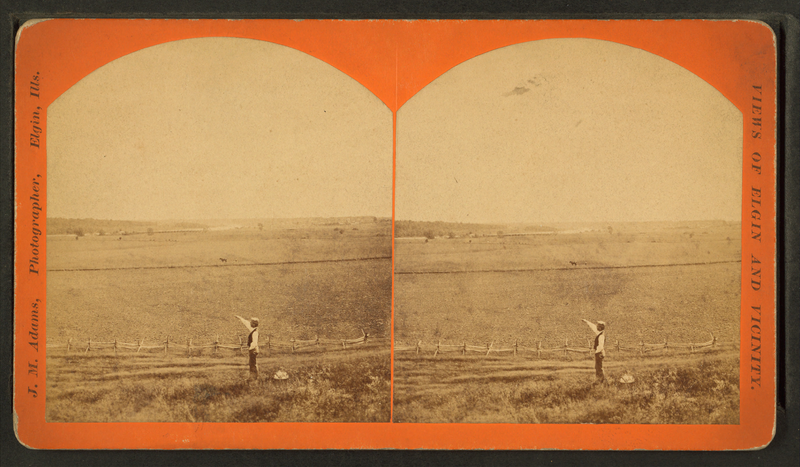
[(443, 229), (349, 220), (88, 226), (458, 229)]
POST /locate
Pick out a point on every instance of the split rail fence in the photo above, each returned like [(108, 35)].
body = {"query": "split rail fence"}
[(642, 348), (190, 348)]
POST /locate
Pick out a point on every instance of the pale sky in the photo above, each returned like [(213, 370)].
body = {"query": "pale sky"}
[(218, 128), (568, 130)]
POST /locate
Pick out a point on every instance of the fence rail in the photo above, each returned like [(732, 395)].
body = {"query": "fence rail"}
[(190, 348), (324, 344), (642, 348)]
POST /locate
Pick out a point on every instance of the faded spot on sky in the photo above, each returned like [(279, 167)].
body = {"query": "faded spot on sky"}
[(517, 91), (537, 80)]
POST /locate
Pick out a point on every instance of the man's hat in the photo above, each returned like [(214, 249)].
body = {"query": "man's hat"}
[(254, 320), (601, 323)]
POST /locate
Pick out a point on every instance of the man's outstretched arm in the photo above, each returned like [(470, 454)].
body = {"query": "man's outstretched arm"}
[(245, 322), (591, 325)]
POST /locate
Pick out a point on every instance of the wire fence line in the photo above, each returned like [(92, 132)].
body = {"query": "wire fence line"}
[(190, 348), (567, 268), (224, 264), (641, 349)]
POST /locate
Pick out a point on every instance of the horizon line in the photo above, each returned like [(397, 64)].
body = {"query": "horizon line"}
[(218, 219), (575, 221)]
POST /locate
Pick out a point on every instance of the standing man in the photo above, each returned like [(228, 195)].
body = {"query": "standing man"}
[(252, 344), (599, 348)]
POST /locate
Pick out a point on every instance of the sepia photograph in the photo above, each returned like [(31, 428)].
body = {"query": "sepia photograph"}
[(568, 241), (218, 240)]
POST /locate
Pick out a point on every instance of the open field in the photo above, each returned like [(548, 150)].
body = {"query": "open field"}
[(302, 281), (696, 388), (650, 286), (651, 283), (346, 386), (615, 246), (176, 285), (238, 246)]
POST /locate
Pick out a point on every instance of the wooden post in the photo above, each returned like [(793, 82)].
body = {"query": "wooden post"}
[(269, 344), (566, 344), (515, 347), (641, 348), (665, 346), (216, 344), (437, 348), (115, 346), (189, 347), (539, 350), (89, 346), (241, 348), (69, 343), (166, 346), (590, 348), (464, 349), (292, 341), (419, 343), (344, 344), (691, 348), (316, 339), (489, 349), (713, 340), (617, 345), (140, 345)]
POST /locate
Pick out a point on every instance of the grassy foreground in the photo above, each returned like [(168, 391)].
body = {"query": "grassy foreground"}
[(670, 389), (347, 386)]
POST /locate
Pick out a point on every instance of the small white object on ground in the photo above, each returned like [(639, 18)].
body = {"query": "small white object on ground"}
[(627, 379), (281, 375)]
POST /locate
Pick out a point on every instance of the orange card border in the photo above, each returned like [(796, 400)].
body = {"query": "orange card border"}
[(394, 60)]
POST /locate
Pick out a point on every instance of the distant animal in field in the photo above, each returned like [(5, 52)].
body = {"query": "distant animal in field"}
[(573, 263), (224, 260)]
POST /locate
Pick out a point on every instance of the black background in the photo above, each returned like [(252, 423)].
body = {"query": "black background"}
[(781, 15)]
